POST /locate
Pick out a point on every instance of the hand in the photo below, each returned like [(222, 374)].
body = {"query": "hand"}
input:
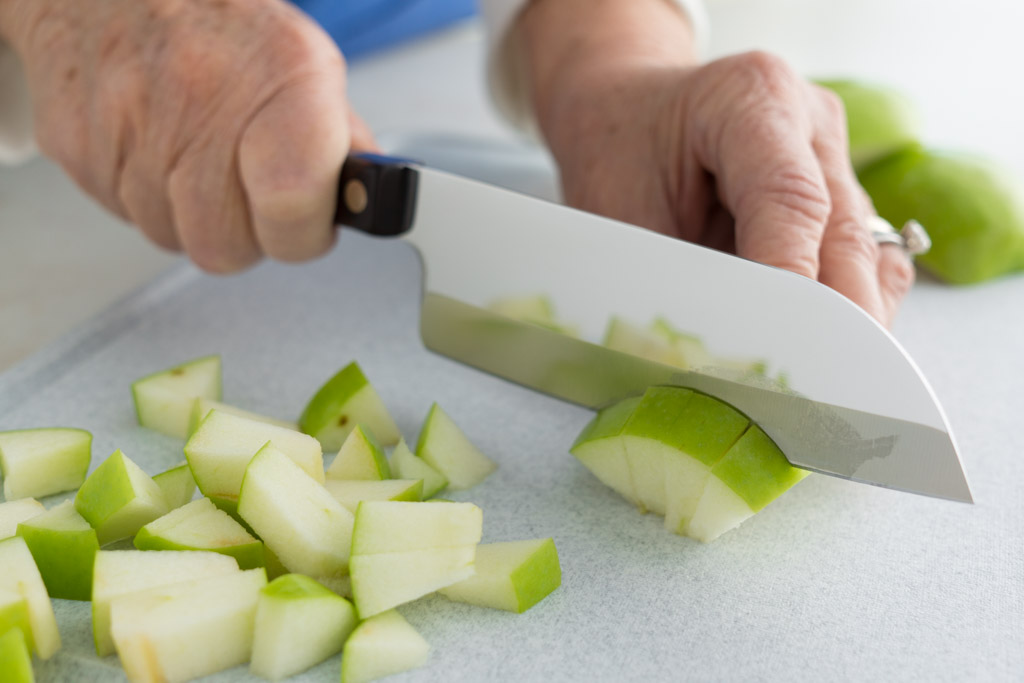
[(215, 126), (741, 154)]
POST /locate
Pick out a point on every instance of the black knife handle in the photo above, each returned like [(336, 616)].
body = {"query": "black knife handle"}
[(377, 194)]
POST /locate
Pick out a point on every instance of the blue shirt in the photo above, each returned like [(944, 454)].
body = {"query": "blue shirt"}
[(362, 26)]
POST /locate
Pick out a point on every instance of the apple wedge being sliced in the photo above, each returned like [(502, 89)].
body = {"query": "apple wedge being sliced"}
[(178, 485), (511, 576), (445, 448), (123, 572), (118, 498), (305, 527), (299, 623), (407, 465), (381, 646), (41, 462), (187, 630), (15, 658), (351, 493), (360, 458), (64, 547), (201, 525), (164, 400), (19, 575), (346, 400), (223, 445), (599, 447), (14, 512), (201, 407)]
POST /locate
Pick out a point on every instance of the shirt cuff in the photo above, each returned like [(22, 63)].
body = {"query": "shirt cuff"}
[(506, 70), (16, 132)]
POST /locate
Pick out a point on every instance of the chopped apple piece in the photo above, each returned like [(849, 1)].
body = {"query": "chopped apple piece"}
[(41, 462), (360, 457), (599, 447), (164, 400), (201, 407), (406, 465), (510, 576), (200, 525), (64, 548), (299, 623), (381, 646), (294, 515), (187, 630), (178, 485), (14, 512), (124, 572), (223, 445), (351, 493), (119, 498), (445, 448), (14, 614), (346, 400), (19, 575), (15, 657)]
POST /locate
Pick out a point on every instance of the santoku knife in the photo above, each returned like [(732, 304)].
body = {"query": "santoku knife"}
[(853, 404)]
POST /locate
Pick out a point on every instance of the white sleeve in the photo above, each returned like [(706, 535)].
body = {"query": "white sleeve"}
[(16, 138), (506, 73)]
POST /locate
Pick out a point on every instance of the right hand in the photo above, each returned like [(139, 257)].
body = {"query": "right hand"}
[(215, 126)]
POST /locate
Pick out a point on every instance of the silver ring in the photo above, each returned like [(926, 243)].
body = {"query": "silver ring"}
[(911, 238)]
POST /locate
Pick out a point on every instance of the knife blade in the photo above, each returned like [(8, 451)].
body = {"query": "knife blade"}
[(854, 404)]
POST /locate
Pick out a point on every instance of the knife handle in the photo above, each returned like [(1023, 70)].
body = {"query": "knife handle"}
[(377, 194)]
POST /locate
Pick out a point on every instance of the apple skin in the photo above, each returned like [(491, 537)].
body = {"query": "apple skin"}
[(345, 400), (164, 400), (208, 528), (14, 512), (880, 120), (406, 465), (177, 484), (41, 462), (14, 614), (444, 446), (64, 548), (15, 657), (381, 646), (511, 576), (351, 493), (18, 573), (118, 499), (299, 623), (599, 447), (360, 458)]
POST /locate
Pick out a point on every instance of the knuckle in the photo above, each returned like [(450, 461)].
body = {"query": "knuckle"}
[(767, 72), (849, 241), (795, 190)]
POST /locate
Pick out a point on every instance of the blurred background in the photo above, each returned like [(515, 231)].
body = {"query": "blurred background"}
[(417, 70)]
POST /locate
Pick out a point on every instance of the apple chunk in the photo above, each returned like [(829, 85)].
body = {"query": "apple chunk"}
[(118, 498), (164, 400), (599, 447), (201, 407), (14, 615), (187, 630), (64, 547), (381, 646), (15, 657), (346, 400), (41, 462), (19, 575), (360, 457), (511, 576), (305, 527), (351, 493), (447, 449), (406, 465), (14, 512), (178, 485), (299, 623), (200, 525)]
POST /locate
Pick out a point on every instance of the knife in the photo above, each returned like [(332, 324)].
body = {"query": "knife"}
[(854, 405)]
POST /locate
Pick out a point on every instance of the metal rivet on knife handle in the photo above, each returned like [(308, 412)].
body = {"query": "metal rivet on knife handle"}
[(356, 197)]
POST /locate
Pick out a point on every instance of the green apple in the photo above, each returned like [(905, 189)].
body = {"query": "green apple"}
[(972, 208), (403, 551), (164, 400), (879, 119), (177, 484), (445, 448), (14, 512), (295, 515), (118, 498), (599, 447), (751, 474), (346, 400), (511, 576), (200, 525), (14, 614), (201, 407), (41, 462), (299, 624), (118, 573), (221, 448), (64, 547), (19, 575), (383, 645), (272, 563), (351, 493), (360, 457), (406, 465), (183, 631), (15, 657)]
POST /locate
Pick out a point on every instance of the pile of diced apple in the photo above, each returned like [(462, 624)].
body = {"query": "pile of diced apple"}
[(278, 563)]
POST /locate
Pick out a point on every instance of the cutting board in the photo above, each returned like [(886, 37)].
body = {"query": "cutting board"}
[(834, 581)]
